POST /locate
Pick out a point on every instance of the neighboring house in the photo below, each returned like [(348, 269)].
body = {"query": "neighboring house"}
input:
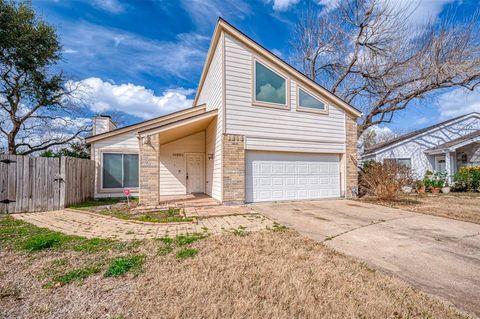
[(443, 147), (258, 130)]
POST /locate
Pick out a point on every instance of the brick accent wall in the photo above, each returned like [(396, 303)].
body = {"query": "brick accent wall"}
[(351, 156), (233, 168), (149, 171)]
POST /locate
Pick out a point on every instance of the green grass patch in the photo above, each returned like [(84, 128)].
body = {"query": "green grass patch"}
[(74, 275), (186, 253), (20, 235), (278, 227), (165, 250), (181, 240), (45, 240), (122, 265), (240, 231), (94, 245)]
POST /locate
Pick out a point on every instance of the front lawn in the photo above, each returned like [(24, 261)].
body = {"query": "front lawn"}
[(460, 206), (118, 208), (269, 274)]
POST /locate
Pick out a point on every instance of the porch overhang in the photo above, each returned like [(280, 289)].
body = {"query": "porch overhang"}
[(455, 144), (173, 131)]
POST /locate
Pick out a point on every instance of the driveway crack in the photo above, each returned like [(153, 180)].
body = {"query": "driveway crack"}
[(363, 226)]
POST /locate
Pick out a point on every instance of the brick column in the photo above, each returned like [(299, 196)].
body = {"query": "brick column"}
[(233, 168), (351, 156), (149, 170)]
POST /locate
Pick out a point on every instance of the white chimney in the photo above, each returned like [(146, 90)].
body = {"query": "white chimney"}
[(102, 124)]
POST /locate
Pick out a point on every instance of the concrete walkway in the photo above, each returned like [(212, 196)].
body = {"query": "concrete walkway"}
[(95, 225), (437, 255)]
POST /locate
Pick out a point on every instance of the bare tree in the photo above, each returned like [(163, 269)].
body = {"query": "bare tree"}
[(36, 107), (366, 52)]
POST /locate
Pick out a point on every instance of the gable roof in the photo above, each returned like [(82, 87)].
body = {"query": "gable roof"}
[(459, 140), (147, 124), (407, 136), (224, 26)]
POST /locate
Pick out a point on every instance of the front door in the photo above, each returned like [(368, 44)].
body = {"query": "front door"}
[(195, 173), (440, 165)]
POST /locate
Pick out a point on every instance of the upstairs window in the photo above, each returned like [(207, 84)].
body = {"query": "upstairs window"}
[(306, 100), (269, 86), (120, 170)]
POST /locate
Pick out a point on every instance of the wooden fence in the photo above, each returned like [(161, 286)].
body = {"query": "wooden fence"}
[(35, 184)]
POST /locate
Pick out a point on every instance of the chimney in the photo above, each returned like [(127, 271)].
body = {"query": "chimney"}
[(102, 124)]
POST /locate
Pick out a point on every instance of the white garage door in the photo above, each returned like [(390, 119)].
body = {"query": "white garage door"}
[(272, 176)]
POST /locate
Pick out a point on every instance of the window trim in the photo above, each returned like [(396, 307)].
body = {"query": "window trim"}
[(396, 159), (102, 189), (285, 106), (310, 109)]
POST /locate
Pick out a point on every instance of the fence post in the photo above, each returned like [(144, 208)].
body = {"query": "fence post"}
[(63, 181)]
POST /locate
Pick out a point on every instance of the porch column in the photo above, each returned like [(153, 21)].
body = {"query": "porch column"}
[(233, 168), (449, 165), (149, 178)]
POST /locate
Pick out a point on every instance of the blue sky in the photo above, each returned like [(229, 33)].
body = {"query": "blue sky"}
[(144, 58)]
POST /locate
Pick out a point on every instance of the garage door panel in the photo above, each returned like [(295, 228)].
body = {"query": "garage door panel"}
[(272, 176)]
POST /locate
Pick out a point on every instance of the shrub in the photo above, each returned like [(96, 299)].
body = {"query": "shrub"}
[(435, 180), (384, 180), (467, 178)]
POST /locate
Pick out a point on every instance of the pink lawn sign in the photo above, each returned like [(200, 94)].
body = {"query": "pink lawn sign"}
[(126, 192)]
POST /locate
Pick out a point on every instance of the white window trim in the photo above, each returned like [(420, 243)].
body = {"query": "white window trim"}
[(310, 109), (285, 106), (115, 190)]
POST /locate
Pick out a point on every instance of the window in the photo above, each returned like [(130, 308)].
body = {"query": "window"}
[(308, 101), (407, 162), (269, 86), (120, 170)]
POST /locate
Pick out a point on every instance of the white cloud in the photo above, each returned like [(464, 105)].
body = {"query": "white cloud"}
[(112, 51), (374, 135), (112, 6), (269, 93), (69, 51), (421, 120), (205, 13), (102, 96), (422, 11), (282, 5), (425, 10), (458, 102)]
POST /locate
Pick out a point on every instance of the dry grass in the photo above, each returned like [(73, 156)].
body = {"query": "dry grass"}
[(274, 274), (460, 206)]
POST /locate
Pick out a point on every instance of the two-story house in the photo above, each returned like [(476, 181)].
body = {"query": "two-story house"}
[(258, 130)]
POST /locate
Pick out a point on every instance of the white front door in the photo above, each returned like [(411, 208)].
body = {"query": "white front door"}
[(272, 176), (195, 173), (440, 165)]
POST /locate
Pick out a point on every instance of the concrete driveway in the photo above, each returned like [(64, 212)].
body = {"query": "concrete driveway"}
[(437, 255)]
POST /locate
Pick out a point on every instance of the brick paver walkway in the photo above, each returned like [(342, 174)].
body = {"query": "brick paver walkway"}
[(94, 225)]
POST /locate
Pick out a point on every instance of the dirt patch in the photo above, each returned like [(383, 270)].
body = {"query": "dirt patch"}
[(460, 206), (119, 208), (274, 274)]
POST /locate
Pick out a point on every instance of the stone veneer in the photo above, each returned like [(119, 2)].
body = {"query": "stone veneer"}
[(351, 156), (149, 170), (233, 168)]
